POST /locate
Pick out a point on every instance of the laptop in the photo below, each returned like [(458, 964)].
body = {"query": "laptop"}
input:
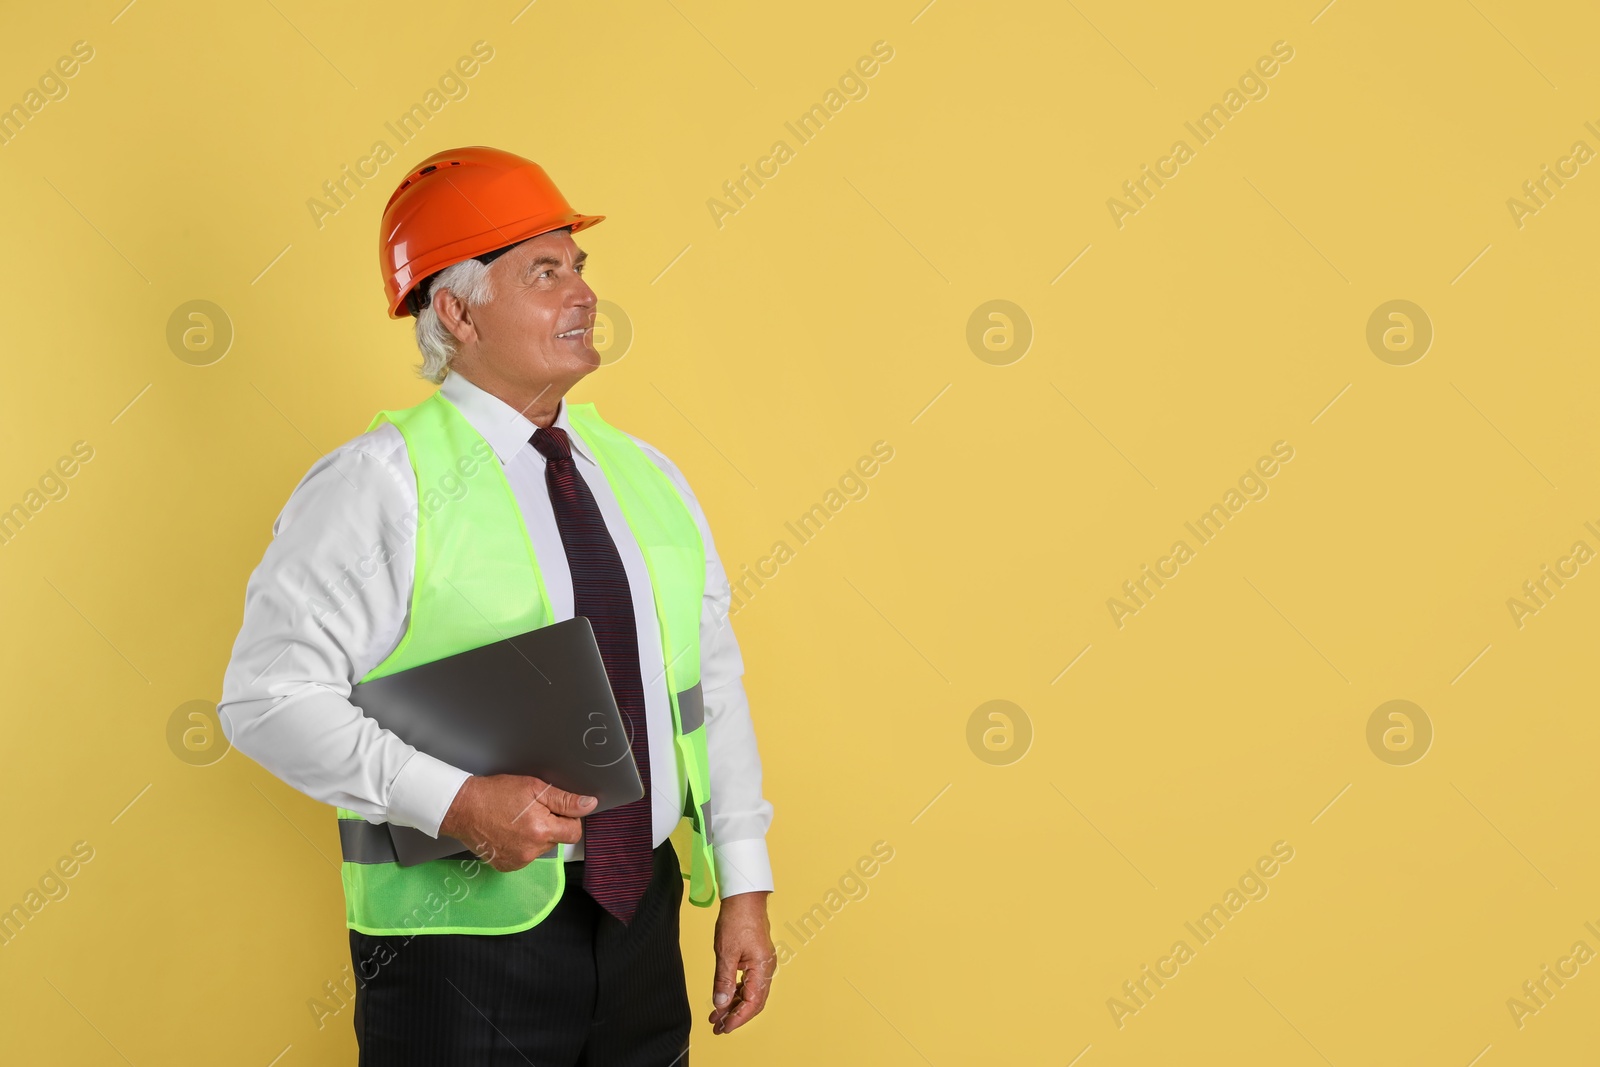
[(538, 703)]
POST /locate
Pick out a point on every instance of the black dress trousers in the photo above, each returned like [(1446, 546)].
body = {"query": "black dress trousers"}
[(579, 989)]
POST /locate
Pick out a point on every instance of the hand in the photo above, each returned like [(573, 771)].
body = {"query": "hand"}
[(743, 943), (510, 820)]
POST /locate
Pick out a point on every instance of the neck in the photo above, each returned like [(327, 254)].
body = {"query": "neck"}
[(538, 402)]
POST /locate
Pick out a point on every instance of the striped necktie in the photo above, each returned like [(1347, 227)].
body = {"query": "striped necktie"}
[(616, 843)]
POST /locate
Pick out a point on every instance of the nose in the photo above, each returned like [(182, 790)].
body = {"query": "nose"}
[(582, 294)]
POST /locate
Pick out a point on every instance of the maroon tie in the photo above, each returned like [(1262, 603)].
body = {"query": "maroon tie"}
[(616, 843)]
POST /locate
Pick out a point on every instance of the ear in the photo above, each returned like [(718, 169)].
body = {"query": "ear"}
[(456, 316)]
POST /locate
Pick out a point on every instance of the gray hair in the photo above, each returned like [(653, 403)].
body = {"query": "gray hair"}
[(469, 280)]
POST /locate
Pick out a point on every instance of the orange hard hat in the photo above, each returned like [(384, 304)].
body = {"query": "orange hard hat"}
[(459, 205)]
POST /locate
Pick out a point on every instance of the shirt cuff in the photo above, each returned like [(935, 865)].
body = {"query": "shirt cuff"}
[(742, 867), (422, 792)]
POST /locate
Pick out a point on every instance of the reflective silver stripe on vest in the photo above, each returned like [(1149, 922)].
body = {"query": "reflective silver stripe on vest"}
[(689, 813), (691, 709), (365, 842), (692, 714), (369, 842)]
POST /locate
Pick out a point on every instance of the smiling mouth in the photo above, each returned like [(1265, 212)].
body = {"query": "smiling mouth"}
[(574, 333)]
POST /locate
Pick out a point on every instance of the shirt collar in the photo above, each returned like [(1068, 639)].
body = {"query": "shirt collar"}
[(505, 428)]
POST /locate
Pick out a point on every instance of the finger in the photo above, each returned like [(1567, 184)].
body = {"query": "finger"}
[(544, 795), (754, 986), (564, 803), (533, 800), (560, 828), (720, 1016), (743, 1011), (746, 1006), (723, 981)]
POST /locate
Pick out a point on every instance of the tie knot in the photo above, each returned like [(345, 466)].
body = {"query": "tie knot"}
[(552, 442)]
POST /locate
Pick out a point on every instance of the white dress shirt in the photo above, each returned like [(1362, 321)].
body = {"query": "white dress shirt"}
[(331, 600)]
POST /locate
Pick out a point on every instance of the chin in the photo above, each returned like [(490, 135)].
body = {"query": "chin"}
[(584, 361)]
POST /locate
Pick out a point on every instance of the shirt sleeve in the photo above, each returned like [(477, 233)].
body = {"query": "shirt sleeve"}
[(327, 603), (740, 814)]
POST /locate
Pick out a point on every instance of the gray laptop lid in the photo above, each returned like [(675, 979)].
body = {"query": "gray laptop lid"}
[(538, 703)]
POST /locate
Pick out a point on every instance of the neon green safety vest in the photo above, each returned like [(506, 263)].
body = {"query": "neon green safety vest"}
[(477, 581)]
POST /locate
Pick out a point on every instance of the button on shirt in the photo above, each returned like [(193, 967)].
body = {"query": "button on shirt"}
[(331, 600)]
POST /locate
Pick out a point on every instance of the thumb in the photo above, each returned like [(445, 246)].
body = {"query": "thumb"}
[(722, 984), (570, 804)]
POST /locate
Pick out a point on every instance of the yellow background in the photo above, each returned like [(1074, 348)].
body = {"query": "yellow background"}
[(769, 354)]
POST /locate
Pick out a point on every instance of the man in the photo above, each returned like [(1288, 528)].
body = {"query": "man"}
[(492, 508)]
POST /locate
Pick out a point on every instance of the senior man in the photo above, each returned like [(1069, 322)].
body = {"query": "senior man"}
[(489, 509)]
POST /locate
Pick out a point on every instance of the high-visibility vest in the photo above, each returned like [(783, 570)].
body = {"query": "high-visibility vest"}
[(478, 581)]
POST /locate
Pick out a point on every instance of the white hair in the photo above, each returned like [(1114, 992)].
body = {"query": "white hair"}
[(469, 280)]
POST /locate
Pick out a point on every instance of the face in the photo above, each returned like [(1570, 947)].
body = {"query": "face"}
[(538, 329)]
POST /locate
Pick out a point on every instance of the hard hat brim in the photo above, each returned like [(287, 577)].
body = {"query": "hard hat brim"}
[(413, 273)]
